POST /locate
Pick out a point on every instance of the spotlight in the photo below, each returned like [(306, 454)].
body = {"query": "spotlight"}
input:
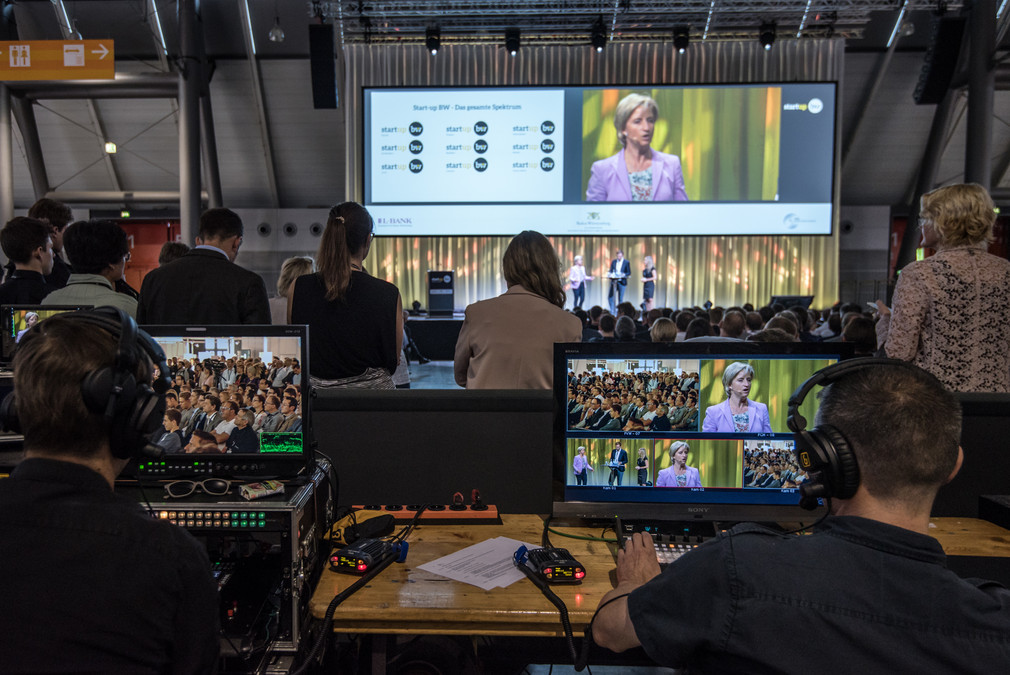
[(433, 39), (767, 35), (599, 35), (512, 40), (681, 38), (276, 33)]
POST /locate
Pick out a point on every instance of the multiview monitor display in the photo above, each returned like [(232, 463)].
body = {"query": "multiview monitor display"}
[(681, 431), (740, 159)]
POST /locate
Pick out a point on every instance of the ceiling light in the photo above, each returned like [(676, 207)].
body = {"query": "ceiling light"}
[(276, 33), (433, 39), (512, 40), (110, 147), (681, 38), (598, 37), (767, 35)]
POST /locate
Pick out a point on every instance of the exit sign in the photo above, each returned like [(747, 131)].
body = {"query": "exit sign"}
[(57, 60)]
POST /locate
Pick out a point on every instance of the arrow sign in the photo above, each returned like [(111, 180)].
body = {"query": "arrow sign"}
[(57, 60)]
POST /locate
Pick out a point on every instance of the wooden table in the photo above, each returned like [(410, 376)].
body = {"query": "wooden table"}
[(406, 600)]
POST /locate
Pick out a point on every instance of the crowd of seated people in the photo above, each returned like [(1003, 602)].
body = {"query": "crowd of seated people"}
[(771, 323), (767, 467), (642, 401), (238, 401)]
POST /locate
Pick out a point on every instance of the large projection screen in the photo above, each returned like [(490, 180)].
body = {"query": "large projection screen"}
[(743, 159)]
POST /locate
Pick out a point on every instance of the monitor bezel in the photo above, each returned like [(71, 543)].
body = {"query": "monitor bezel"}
[(570, 510)]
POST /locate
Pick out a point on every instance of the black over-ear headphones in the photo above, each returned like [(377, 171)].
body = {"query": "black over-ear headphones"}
[(823, 451), (132, 410)]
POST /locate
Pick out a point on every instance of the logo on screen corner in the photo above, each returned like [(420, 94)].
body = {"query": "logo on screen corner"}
[(815, 105), (415, 166), (792, 221)]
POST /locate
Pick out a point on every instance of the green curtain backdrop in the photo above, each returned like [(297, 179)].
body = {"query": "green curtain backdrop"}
[(725, 270)]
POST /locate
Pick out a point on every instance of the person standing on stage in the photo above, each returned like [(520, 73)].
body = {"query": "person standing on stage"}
[(577, 278), (648, 283), (620, 270)]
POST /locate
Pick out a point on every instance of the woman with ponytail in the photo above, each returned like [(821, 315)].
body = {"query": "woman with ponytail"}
[(355, 320)]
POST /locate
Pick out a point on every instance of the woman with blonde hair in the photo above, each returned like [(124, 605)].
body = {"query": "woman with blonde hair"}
[(291, 269), (577, 277), (637, 172), (949, 311), (508, 342), (355, 320), (648, 282), (679, 474)]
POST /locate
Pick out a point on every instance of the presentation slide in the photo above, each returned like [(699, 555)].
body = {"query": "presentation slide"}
[(756, 159), (467, 146)]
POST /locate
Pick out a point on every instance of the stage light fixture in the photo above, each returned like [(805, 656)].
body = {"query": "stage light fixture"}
[(767, 35), (276, 33), (599, 35), (433, 39), (512, 40), (681, 38)]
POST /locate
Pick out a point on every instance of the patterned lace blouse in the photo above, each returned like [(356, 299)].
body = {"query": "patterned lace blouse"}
[(951, 317)]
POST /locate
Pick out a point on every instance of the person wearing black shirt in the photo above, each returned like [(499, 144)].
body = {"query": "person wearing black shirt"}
[(870, 583), (356, 320), (92, 582), (27, 243)]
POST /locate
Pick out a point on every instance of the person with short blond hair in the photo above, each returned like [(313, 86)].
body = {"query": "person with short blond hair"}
[(949, 311)]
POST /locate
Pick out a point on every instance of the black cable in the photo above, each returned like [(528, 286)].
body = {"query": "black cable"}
[(560, 605), (327, 626), (545, 538)]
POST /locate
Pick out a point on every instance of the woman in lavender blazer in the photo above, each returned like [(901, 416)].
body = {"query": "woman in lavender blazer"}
[(737, 408), (637, 172)]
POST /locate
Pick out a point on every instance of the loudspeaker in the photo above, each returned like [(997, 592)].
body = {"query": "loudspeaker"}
[(324, 66), (823, 451), (131, 410), (941, 60)]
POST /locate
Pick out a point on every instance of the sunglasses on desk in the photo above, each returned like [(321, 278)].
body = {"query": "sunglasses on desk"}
[(184, 488)]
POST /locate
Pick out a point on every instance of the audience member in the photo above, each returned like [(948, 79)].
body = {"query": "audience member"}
[(663, 330), (950, 310), (355, 319), (205, 286), (291, 269), (171, 250), (28, 244), (98, 251), (57, 216), (508, 342)]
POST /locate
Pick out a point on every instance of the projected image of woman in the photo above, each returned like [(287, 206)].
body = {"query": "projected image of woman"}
[(637, 173), (737, 414), (581, 466), (679, 474), (648, 282), (577, 277), (31, 318)]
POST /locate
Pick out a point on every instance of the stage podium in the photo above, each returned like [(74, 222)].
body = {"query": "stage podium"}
[(441, 297)]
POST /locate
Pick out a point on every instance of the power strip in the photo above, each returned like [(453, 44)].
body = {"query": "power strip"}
[(442, 514)]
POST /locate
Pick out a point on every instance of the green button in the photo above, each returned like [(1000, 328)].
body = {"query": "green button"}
[(244, 514), (262, 515), (263, 523), (234, 523), (245, 523)]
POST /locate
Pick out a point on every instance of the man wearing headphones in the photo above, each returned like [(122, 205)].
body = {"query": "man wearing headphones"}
[(91, 581), (868, 591)]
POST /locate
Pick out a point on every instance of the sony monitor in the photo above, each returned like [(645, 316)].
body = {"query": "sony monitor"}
[(238, 364), (654, 160), (674, 444)]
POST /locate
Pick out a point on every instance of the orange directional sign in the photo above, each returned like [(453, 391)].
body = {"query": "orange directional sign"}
[(57, 60)]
